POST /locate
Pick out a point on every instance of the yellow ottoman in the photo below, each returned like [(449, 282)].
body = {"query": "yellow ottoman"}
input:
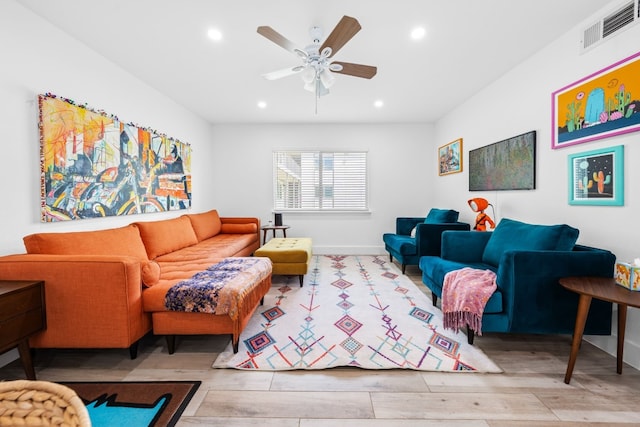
[(290, 256)]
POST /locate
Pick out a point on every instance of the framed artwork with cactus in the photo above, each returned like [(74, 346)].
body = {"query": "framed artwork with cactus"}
[(600, 105), (597, 177)]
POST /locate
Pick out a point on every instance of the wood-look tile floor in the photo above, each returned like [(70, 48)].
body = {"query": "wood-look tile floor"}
[(530, 391)]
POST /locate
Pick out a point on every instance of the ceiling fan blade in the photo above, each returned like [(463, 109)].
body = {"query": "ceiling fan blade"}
[(285, 72), (357, 70), (279, 39), (341, 34)]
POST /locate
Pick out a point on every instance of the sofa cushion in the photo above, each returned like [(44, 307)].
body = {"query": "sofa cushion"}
[(239, 228), (441, 216), (206, 224), (114, 241), (150, 273), (162, 237), (516, 235)]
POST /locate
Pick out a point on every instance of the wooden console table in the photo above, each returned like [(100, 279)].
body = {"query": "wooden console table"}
[(602, 288), (22, 314)]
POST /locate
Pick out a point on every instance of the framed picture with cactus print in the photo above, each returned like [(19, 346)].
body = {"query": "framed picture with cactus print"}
[(597, 177), (600, 105), (450, 158)]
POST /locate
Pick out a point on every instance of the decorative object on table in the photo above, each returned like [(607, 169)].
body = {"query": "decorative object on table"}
[(35, 403), (628, 274), (95, 165), (135, 403), (479, 205), (450, 158), (504, 165), (277, 218), (318, 66), (357, 311), (597, 177), (603, 104)]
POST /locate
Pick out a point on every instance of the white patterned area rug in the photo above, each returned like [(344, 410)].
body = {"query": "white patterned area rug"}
[(356, 311)]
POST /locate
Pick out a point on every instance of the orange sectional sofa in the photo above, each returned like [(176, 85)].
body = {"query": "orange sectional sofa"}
[(103, 287)]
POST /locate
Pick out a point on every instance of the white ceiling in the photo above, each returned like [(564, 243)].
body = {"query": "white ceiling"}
[(469, 44)]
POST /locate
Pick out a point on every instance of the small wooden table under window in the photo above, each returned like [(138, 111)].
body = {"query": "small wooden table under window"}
[(602, 288), (273, 229), (22, 314)]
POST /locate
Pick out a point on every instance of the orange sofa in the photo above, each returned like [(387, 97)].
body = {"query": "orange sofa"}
[(103, 287)]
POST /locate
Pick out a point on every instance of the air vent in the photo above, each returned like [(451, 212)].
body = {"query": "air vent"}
[(623, 17)]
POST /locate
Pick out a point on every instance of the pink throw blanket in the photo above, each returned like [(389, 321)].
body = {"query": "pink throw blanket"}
[(465, 292)]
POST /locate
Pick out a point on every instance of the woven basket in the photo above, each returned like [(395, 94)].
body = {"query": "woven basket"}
[(40, 403)]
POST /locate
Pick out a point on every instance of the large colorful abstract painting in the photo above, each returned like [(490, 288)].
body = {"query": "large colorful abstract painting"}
[(94, 165)]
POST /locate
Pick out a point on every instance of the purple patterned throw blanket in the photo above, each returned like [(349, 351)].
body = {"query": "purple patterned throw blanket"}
[(220, 288), (465, 292)]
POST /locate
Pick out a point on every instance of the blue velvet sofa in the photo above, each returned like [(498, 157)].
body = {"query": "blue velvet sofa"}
[(419, 236), (528, 261)]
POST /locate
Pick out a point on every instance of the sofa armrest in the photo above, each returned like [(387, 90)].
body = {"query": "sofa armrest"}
[(91, 301), (429, 236), (405, 224), (464, 246), (529, 281)]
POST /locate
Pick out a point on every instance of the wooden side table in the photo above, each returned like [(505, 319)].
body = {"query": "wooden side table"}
[(602, 288), (22, 314), (273, 229)]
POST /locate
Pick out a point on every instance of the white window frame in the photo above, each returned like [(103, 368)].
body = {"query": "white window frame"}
[(299, 176)]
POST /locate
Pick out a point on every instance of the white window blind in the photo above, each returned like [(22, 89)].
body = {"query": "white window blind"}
[(320, 181)]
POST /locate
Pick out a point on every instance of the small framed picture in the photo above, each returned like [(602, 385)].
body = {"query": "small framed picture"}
[(450, 158), (597, 177)]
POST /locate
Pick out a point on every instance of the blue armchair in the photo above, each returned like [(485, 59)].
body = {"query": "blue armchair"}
[(419, 236), (528, 261)]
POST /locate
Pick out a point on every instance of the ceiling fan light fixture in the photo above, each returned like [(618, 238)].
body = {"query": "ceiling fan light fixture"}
[(327, 78), (309, 75), (310, 86)]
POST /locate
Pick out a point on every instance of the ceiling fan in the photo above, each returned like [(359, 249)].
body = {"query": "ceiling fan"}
[(317, 66)]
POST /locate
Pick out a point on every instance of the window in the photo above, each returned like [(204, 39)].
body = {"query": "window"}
[(320, 181)]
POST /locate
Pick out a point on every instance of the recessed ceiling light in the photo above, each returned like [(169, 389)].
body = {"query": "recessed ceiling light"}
[(418, 33), (214, 34), (262, 105), (378, 103)]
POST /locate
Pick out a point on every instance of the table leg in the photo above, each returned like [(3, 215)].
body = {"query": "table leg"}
[(581, 318), (284, 233), (25, 358), (622, 324), (264, 237), (274, 233)]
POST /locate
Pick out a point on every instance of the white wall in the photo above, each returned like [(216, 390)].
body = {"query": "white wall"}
[(398, 156), (521, 101), (38, 58)]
